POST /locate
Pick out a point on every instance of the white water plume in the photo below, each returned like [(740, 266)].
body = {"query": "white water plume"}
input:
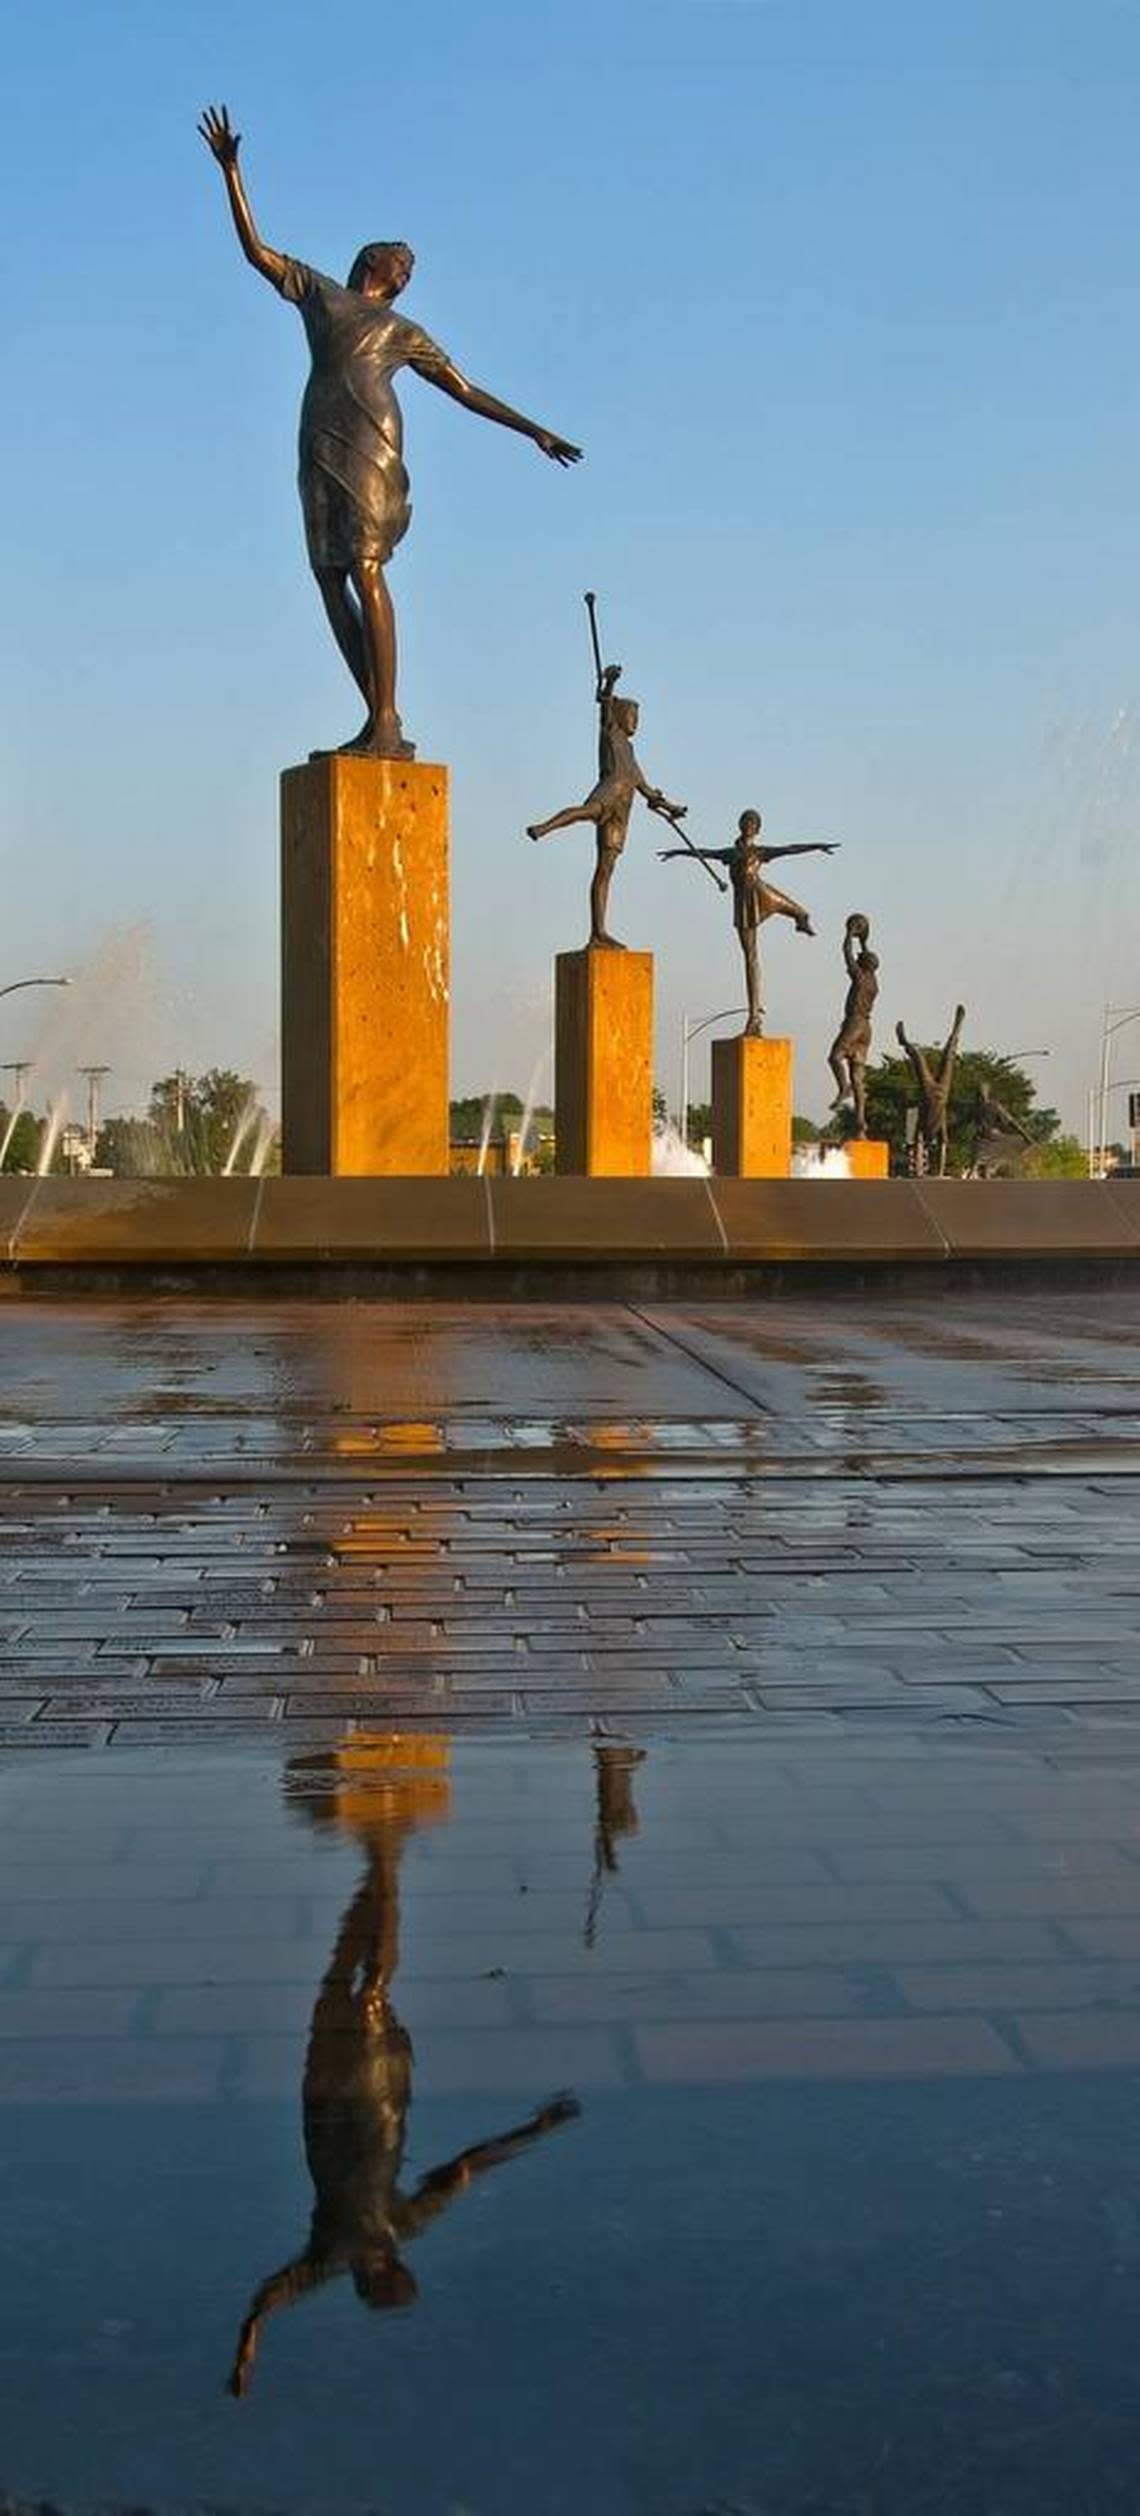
[(249, 1119), (671, 1158), (820, 1161), (490, 1106), (53, 1129), (526, 1120)]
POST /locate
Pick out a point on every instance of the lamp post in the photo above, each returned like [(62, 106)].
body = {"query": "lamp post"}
[(1120, 1083), (14, 985), (1116, 1018), (690, 1031)]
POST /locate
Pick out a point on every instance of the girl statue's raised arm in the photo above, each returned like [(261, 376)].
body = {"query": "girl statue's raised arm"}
[(223, 144)]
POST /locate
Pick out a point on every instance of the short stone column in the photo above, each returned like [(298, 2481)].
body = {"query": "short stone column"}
[(603, 1063), (365, 950), (752, 1108), (868, 1157)]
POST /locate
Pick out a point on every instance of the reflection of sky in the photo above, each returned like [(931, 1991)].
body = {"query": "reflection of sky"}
[(843, 320)]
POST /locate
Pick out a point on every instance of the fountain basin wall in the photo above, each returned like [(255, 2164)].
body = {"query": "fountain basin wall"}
[(547, 1237)]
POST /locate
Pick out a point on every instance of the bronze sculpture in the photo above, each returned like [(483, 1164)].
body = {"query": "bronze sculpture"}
[(934, 1083), (358, 2086), (354, 488), (851, 1047), (754, 900), (610, 803), (1001, 1141)]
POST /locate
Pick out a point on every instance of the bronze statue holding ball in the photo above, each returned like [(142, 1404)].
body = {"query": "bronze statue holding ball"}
[(851, 1047)]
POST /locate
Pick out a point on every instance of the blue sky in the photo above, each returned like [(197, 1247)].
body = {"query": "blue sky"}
[(840, 302)]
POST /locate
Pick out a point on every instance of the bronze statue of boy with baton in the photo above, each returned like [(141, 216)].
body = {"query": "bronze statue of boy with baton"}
[(620, 777)]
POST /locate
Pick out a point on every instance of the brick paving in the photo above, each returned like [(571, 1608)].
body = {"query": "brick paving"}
[(729, 1715), (567, 1521)]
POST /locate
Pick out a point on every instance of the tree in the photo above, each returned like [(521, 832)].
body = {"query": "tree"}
[(804, 1130), (204, 1121), (891, 1092), (1061, 1157), (700, 1123), (660, 1110), (23, 1151)]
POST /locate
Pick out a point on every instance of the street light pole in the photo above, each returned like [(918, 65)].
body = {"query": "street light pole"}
[(14, 985), (1114, 1020), (690, 1031)]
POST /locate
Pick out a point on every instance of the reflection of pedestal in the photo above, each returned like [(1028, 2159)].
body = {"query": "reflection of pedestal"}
[(364, 967), (752, 1108), (868, 1157), (603, 1063)]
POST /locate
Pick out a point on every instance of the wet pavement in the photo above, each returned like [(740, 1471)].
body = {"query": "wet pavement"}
[(614, 1833)]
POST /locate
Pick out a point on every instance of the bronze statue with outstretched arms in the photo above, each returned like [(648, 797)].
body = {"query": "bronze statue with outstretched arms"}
[(354, 488), (754, 900)]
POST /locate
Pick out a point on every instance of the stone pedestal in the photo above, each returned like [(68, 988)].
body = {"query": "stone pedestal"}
[(868, 1157), (364, 968), (752, 1108), (603, 1063)]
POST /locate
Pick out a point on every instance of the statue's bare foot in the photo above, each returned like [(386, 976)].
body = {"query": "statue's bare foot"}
[(840, 1101), (804, 926), (380, 738), (534, 830), (754, 1027), (605, 943)]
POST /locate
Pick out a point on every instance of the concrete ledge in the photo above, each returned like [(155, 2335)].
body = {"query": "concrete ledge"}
[(1026, 1218), (604, 1218), (134, 1222), (14, 1198), (355, 1219), (554, 1237), (825, 1219)]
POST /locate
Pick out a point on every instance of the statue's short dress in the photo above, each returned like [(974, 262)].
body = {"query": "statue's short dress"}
[(354, 489)]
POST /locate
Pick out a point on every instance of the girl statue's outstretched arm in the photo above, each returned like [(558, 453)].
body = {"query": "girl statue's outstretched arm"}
[(809, 847), (708, 855), (459, 388), (223, 144)]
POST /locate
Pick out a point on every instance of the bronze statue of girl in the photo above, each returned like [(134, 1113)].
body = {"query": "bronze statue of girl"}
[(754, 899), (354, 488)]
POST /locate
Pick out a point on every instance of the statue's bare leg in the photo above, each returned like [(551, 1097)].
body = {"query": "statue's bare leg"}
[(750, 946), (841, 1071), (382, 735), (345, 623), (781, 904), (600, 893), (857, 1070), (559, 821)]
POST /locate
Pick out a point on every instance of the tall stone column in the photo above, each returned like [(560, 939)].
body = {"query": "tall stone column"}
[(365, 965), (603, 1063), (752, 1108)]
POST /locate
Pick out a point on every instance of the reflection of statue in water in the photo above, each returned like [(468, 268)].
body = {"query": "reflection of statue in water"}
[(754, 899), (614, 1769), (354, 489), (934, 1083), (358, 2068), (851, 1047), (610, 803)]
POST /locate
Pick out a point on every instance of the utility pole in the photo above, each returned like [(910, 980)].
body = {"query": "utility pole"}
[(21, 1067), (94, 1076)]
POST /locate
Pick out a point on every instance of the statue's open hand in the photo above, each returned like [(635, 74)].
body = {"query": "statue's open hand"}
[(220, 140), (559, 449)]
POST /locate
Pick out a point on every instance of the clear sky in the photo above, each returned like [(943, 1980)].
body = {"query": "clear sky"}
[(840, 300)]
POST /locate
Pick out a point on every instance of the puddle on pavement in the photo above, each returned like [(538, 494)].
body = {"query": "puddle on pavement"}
[(664, 2130)]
